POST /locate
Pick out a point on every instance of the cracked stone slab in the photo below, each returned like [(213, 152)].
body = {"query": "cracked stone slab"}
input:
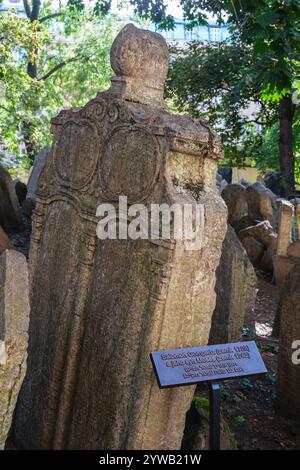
[(14, 322)]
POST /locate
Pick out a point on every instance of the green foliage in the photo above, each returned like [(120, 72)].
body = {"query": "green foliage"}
[(69, 49), (268, 346), (202, 406), (19, 40), (214, 81), (229, 395), (269, 27), (260, 65), (154, 10), (249, 333), (247, 385), (240, 419)]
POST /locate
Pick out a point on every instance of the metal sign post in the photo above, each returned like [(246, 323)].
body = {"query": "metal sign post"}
[(211, 364), (214, 416)]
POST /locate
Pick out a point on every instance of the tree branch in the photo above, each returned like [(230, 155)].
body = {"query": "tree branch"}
[(5, 109), (62, 64), (49, 17), (257, 121)]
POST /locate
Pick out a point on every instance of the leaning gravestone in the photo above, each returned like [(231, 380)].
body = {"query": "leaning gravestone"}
[(261, 203), (38, 166), (10, 214), (99, 307), (235, 197), (14, 319), (283, 263), (235, 289), (288, 381)]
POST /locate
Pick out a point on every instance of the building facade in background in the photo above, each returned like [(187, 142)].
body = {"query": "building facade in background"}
[(16, 4), (209, 33)]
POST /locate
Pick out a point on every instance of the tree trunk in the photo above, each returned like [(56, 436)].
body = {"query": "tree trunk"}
[(286, 155), (30, 145), (32, 12)]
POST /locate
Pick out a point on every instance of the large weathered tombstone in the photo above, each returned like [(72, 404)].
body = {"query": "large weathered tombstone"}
[(298, 217), (286, 216), (255, 249), (283, 263), (288, 382), (236, 291), (99, 307), (10, 214), (273, 181), (263, 233), (261, 203), (14, 319), (226, 173), (235, 197)]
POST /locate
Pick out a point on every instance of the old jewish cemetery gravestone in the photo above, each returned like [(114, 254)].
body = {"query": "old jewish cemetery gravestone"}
[(235, 197), (288, 382), (287, 249), (14, 319), (33, 181), (10, 214), (39, 164), (235, 289), (99, 307)]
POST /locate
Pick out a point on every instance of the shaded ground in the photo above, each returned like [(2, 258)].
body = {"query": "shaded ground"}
[(249, 404)]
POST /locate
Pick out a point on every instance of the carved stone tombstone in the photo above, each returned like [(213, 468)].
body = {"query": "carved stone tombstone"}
[(10, 214), (285, 258), (14, 319), (99, 307), (288, 382), (235, 289), (235, 197)]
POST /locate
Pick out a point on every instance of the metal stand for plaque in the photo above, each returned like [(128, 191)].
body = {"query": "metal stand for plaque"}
[(247, 361), (214, 416)]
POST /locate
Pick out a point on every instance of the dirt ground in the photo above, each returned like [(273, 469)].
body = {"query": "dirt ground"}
[(249, 404)]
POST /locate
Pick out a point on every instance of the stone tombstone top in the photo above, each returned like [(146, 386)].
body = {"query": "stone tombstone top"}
[(139, 59), (99, 307), (236, 291)]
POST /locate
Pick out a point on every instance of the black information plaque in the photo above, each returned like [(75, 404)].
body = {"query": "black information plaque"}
[(218, 362)]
